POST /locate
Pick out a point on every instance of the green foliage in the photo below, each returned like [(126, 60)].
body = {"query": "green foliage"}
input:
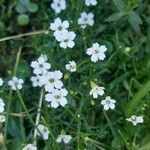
[(124, 27)]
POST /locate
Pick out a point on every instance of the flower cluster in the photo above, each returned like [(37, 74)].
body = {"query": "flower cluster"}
[(61, 34), (2, 105), (108, 103)]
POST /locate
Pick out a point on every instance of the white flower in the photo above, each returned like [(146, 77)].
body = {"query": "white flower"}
[(1, 82), (2, 105), (96, 52), (58, 5), (97, 91), (52, 80), (44, 132), (86, 19), (65, 38), (108, 103), (40, 66), (65, 138), (58, 25), (15, 83), (2, 118), (135, 119), (30, 147), (90, 2), (71, 66), (57, 97)]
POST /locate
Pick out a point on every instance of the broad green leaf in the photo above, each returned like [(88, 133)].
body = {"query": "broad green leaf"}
[(115, 16), (133, 104), (23, 19), (135, 20), (21, 8), (119, 4), (32, 7)]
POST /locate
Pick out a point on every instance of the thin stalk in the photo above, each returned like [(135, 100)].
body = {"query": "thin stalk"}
[(10, 97), (22, 35), (38, 116)]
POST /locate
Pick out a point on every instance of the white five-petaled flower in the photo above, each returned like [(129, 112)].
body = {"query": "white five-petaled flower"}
[(44, 132), (40, 66), (2, 118), (97, 52), (71, 66), (52, 80), (65, 138), (108, 103), (135, 119), (1, 82), (59, 25), (97, 91), (30, 147), (90, 2), (2, 105), (65, 38), (15, 83), (86, 19), (58, 5), (57, 97)]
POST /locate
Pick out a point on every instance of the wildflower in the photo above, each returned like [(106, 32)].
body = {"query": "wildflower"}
[(65, 38), (1, 82), (59, 25), (97, 91), (71, 66), (86, 19), (135, 119), (44, 132), (52, 80), (108, 103), (2, 105), (58, 5), (36, 81), (2, 118), (40, 66), (57, 97), (90, 2), (15, 83), (30, 147), (97, 52), (65, 138)]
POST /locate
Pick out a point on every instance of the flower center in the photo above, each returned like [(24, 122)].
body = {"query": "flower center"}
[(85, 19), (107, 102), (66, 40), (57, 97), (60, 28), (51, 80)]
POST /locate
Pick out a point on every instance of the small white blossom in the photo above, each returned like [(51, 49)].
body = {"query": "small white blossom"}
[(65, 138), (97, 91), (135, 119), (97, 52), (59, 25), (57, 97), (2, 118), (52, 80), (40, 66), (90, 2), (30, 147), (108, 103), (15, 83), (44, 132), (65, 38), (1, 82), (71, 66), (86, 19), (58, 5), (2, 105)]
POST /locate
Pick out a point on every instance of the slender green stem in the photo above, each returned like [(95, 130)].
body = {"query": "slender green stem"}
[(22, 35), (10, 97), (38, 115), (110, 124)]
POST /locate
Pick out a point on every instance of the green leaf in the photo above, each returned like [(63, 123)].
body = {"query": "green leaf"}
[(23, 19), (115, 16), (21, 8), (133, 104), (135, 20), (32, 7), (119, 4)]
